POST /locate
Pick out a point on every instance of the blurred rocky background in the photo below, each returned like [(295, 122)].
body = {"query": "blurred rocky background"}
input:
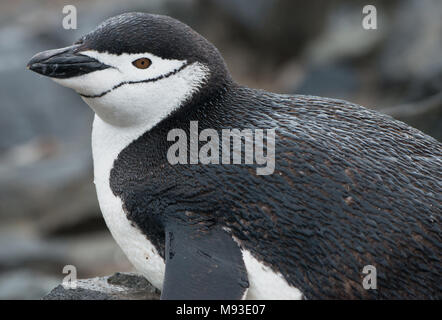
[(49, 216)]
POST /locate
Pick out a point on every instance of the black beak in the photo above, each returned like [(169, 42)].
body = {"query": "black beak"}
[(64, 63)]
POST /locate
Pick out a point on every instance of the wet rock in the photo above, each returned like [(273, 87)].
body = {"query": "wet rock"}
[(120, 286)]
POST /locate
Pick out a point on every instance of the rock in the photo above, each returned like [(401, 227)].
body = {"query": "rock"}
[(19, 251), (92, 254), (343, 37), (412, 49), (25, 284), (273, 30), (120, 286)]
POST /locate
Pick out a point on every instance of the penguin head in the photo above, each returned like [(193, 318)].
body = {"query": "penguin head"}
[(136, 68)]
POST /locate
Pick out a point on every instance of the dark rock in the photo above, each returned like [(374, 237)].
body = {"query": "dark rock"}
[(120, 286)]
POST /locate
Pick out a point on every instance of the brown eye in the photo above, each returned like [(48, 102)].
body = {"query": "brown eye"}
[(142, 63)]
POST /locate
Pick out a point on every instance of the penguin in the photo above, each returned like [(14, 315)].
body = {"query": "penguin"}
[(351, 188)]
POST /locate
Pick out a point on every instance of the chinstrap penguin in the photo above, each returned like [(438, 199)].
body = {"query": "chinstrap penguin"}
[(351, 187)]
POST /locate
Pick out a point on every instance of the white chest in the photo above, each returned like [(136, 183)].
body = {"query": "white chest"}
[(134, 109), (107, 143)]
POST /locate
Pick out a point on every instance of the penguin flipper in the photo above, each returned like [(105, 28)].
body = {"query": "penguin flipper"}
[(203, 263)]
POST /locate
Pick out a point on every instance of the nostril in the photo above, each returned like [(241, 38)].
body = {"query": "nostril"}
[(79, 41)]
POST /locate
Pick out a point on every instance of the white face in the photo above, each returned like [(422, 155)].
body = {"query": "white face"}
[(125, 95)]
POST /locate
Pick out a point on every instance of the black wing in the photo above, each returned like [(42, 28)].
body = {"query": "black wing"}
[(203, 263)]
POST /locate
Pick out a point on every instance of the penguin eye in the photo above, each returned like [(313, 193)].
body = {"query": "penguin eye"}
[(142, 63)]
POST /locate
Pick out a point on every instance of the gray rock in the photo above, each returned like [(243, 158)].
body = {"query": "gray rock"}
[(343, 37), (91, 254), (413, 47), (19, 251), (120, 286), (25, 284)]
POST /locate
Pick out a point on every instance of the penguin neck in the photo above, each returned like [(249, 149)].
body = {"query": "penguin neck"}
[(201, 101), (109, 140), (218, 83)]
